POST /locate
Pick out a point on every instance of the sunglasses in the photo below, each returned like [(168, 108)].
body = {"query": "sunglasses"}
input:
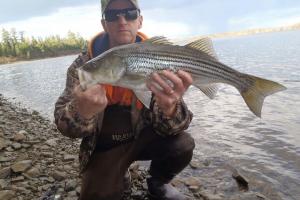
[(113, 14)]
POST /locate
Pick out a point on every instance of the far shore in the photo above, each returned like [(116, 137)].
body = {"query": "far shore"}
[(11, 60)]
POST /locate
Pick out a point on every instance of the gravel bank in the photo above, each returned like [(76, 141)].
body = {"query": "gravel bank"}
[(37, 162)]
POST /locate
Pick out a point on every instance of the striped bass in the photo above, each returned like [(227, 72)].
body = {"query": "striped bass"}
[(130, 65)]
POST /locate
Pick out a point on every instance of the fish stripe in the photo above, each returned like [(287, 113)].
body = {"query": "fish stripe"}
[(150, 61)]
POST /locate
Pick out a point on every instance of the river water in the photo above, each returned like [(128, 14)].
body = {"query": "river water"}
[(266, 148)]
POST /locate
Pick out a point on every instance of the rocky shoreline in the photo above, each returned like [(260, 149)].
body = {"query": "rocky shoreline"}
[(37, 162)]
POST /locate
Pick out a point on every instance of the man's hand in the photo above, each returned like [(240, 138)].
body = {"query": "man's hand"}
[(91, 101), (168, 88)]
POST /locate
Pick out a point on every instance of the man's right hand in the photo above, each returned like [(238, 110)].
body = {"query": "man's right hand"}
[(91, 101)]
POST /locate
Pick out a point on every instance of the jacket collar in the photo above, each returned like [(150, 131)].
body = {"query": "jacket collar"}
[(100, 43)]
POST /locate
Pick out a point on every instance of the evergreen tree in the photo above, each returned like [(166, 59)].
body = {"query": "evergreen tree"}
[(15, 44)]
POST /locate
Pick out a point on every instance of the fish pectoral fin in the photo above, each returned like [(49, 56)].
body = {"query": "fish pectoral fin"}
[(85, 80), (159, 40), (205, 45), (144, 97), (209, 90)]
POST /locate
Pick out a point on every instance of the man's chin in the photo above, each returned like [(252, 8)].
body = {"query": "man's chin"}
[(125, 40)]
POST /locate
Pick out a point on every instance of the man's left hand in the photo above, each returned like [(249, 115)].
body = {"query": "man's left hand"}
[(168, 88)]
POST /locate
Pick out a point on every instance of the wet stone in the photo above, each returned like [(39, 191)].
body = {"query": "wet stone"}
[(47, 154), (33, 173), (195, 165), (21, 166), (68, 157), (9, 149), (3, 184), (241, 180), (20, 136), (51, 142), (70, 185), (5, 172), (16, 146), (5, 159), (191, 181), (2, 144), (7, 194), (26, 146), (59, 176), (72, 194), (17, 179)]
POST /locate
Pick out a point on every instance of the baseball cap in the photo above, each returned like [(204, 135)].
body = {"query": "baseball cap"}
[(105, 3)]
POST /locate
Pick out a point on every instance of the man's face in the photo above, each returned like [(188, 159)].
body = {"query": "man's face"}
[(121, 31)]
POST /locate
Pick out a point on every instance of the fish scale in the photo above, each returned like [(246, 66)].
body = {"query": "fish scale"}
[(150, 62)]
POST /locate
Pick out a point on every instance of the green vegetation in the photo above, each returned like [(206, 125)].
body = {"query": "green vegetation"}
[(256, 31), (14, 46)]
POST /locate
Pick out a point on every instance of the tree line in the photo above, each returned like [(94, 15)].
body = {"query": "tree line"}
[(15, 44)]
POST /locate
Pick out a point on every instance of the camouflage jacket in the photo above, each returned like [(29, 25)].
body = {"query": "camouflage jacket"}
[(72, 125)]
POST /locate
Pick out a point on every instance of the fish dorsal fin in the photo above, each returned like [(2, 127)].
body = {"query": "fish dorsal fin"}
[(159, 40), (205, 45)]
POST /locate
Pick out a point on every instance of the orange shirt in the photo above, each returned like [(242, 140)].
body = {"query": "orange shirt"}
[(114, 94)]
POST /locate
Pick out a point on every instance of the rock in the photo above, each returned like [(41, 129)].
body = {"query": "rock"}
[(7, 194), (250, 196), (241, 180), (51, 142), (59, 176), (176, 182), (145, 186), (35, 112), (47, 154), (5, 159), (192, 181), (70, 185), (2, 144), (51, 191), (78, 190), (3, 184), (5, 173), (261, 196), (72, 194), (45, 147), (33, 173), (16, 146), (194, 188), (21, 166), (17, 179), (134, 166), (68, 168), (137, 194), (20, 136), (26, 146), (195, 165), (9, 149), (68, 157), (23, 156), (206, 162)]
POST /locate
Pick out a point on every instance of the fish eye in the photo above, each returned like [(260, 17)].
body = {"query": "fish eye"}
[(94, 65)]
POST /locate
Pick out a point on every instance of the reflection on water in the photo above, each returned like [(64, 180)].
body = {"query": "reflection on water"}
[(36, 84), (267, 148)]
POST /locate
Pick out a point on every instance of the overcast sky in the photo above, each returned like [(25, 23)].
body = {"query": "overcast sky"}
[(171, 18)]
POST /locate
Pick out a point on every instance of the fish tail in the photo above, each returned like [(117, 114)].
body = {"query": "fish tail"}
[(261, 88)]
